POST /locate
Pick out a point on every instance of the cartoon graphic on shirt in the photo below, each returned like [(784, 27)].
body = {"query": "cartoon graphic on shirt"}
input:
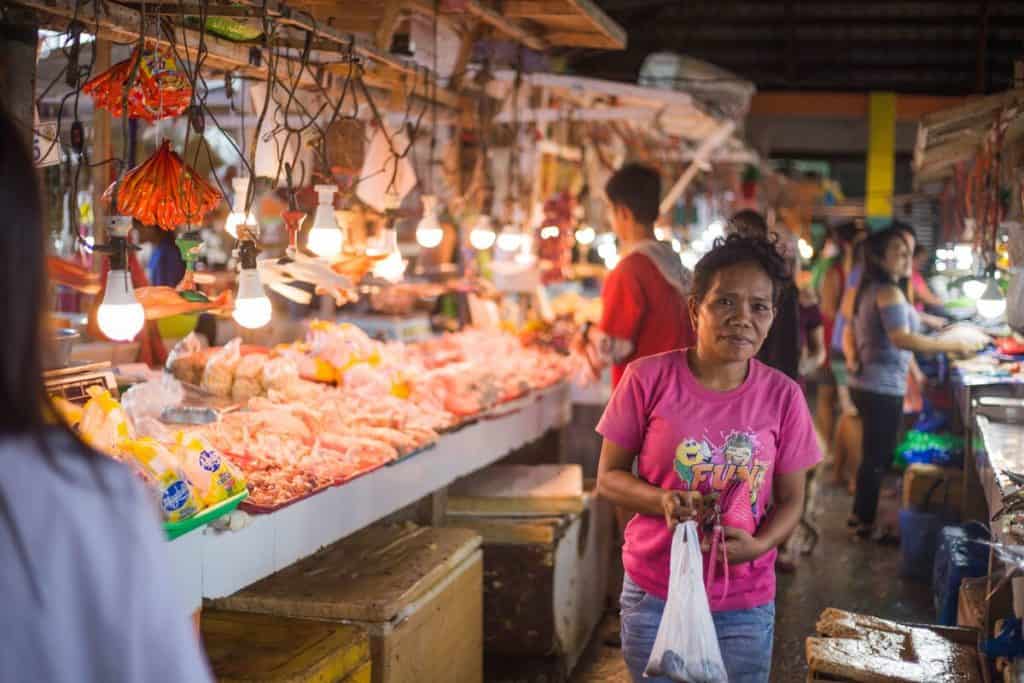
[(739, 449), (702, 466), (689, 454)]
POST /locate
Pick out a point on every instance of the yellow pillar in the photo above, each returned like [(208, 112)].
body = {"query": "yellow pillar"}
[(881, 158)]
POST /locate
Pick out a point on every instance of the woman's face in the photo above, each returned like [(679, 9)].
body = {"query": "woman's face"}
[(735, 315), (896, 260)]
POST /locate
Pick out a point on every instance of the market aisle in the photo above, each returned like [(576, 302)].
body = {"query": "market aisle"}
[(841, 573)]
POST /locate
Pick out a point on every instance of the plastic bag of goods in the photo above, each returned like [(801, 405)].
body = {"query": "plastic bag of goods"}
[(248, 377), (214, 477), (186, 361), (219, 375), (686, 647), (279, 373), (178, 500), (104, 425), (150, 399)]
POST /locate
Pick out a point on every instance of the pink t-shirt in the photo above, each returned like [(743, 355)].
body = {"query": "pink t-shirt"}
[(688, 436)]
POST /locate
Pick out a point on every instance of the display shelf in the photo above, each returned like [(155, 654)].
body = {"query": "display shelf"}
[(214, 563)]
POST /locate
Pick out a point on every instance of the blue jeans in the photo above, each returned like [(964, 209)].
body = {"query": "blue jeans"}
[(744, 636)]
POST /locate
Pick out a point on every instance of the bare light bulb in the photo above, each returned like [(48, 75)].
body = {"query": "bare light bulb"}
[(238, 215), (806, 250), (392, 267), (510, 238), (325, 238), (252, 307), (120, 316), (991, 304), (586, 235), (482, 235), (429, 232)]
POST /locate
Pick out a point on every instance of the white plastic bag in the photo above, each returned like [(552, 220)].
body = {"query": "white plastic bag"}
[(686, 648)]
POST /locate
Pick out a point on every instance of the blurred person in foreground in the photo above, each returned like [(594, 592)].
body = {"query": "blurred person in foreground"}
[(644, 296), (85, 582)]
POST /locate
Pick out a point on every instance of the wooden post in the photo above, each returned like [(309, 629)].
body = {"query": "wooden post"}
[(100, 150), (18, 42)]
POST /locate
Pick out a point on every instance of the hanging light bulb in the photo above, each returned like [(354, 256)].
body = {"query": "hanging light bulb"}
[(252, 307), (510, 239), (392, 267), (586, 235), (806, 250), (482, 236), (325, 238), (429, 232), (238, 215), (991, 304), (120, 315)]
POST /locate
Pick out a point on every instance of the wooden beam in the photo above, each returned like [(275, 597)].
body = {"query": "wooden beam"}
[(616, 34), (120, 24), (385, 32), (101, 149), (576, 39), (506, 26), (701, 155), (909, 108)]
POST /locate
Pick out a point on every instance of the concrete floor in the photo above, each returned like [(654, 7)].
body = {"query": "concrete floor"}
[(852, 575)]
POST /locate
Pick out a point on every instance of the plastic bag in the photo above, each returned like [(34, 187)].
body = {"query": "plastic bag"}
[(178, 500), (104, 425), (186, 360), (213, 476), (686, 648), (150, 399), (248, 377), (220, 368)]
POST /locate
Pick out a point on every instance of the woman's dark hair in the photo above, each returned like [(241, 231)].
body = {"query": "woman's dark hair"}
[(638, 188), (734, 250), (875, 247), (749, 223), (23, 285)]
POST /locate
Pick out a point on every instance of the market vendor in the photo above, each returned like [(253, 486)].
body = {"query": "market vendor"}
[(886, 329), (644, 297), (701, 421)]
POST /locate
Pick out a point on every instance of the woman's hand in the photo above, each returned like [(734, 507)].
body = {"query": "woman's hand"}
[(741, 547), (680, 506)]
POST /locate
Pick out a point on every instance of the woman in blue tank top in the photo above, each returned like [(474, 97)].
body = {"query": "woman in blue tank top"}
[(886, 329)]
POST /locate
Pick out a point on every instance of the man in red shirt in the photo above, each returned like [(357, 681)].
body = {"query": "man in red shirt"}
[(644, 297)]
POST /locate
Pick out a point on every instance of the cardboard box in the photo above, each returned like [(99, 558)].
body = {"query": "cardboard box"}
[(935, 486)]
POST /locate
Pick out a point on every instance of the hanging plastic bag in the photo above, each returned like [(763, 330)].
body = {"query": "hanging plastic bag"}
[(686, 648)]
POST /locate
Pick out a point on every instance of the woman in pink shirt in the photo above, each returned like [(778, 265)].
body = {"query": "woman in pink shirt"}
[(697, 422)]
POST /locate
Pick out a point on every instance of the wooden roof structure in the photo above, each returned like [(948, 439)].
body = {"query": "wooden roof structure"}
[(953, 135)]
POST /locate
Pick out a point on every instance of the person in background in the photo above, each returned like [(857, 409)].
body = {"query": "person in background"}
[(885, 326), (812, 334), (644, 297), (695, 422), (165, 265), (778, 350), (85, 580), (924, 297)]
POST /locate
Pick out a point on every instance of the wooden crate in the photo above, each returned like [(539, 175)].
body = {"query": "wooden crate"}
[(417, 591), (964, 636), (545, 559), (259, 647)]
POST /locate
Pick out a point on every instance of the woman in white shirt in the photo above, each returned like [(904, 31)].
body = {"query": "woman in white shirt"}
[(85, 584)]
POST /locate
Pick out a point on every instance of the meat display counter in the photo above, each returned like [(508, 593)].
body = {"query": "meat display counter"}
[(216, 562)]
